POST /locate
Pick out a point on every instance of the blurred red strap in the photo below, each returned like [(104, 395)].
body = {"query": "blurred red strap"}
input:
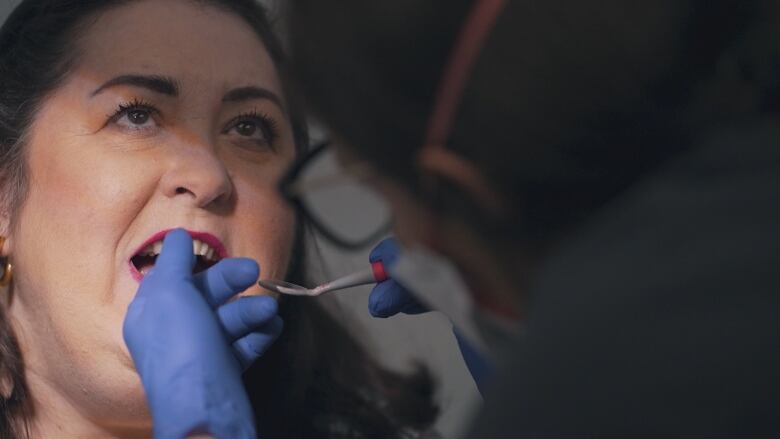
[(467, 47)]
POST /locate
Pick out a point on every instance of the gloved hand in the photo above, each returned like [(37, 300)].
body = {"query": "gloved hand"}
[(388, 298), (182, 347), (250, 323)]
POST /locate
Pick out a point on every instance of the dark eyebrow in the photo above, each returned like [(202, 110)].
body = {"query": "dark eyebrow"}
[(160, 84), (251, 92)]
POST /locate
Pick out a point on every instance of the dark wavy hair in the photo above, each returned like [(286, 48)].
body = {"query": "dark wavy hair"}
[(317, 380)]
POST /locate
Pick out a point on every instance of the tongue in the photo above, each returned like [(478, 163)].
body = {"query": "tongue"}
[(144, 263)]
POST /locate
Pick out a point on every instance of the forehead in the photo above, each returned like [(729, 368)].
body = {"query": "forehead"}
[(184, 39)]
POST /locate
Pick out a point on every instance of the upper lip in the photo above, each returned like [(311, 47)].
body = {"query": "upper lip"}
[(205, 237)]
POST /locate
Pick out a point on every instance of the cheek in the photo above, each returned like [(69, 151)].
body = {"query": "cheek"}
[(265, 230), (81, 200), (80, 204)]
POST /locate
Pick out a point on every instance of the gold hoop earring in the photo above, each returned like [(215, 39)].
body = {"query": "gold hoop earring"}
[(8, 268), (8, 272)]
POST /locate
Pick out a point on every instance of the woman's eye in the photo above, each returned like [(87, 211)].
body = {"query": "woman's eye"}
[(247, 129), (138, 117), (134, 116), (254, 128)]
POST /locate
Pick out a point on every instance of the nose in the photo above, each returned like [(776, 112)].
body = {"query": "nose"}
[(197, 175)]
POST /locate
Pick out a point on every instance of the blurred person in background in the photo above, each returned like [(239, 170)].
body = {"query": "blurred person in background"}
[(606, 173)]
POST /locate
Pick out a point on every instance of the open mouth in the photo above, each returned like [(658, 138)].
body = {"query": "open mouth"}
[(208, 250)]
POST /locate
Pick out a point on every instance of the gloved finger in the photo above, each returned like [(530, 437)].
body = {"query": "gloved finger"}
[(251, 346), (386, 251), (176, 256), (226, 279), (388, 298), (246, 315)]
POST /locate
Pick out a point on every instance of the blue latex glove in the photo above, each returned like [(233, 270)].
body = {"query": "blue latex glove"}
[(389, 298), (250, 323), (189, 356)]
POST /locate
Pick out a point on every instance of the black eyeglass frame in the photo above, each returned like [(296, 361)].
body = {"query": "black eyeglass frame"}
[(292, 194)]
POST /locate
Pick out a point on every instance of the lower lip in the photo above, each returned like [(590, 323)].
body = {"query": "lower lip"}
[(208, 238), (135, 273)]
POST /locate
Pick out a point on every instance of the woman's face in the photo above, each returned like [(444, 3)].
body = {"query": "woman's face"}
[(172, 117)]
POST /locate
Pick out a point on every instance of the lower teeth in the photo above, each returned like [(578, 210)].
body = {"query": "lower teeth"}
[(146, 269)]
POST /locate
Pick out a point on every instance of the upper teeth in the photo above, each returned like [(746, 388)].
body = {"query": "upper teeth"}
[(199, 248)]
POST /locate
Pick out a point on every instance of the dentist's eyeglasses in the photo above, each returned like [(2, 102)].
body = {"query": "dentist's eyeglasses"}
[(335, 199)]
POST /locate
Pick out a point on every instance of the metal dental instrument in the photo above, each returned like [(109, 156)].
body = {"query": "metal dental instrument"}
[(375, 274)]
